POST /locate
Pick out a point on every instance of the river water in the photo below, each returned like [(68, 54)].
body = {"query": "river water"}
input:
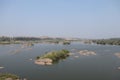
[(20, 60)]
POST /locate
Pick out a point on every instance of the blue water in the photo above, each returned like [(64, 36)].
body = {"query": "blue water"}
[(103, 66)]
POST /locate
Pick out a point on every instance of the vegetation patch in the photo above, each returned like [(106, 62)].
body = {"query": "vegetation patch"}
[(66, 43), (52, 57), (107, 41), (8, 76)]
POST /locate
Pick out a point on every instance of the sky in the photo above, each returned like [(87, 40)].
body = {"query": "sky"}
[(60, 18)]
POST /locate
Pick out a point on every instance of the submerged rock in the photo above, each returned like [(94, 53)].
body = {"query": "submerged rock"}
[(86, 52), (1, 67), (73, 49), (71, 54), (49, 63), (118, 67), (30, 59), (76, 56), (39, 62), (117, 54)]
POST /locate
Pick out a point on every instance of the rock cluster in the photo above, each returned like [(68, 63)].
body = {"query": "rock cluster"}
[(86, 52), (1, 67), (119, 68), (45, 61), (117, 54)]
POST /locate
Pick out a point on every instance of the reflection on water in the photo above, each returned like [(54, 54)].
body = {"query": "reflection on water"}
[(103, 66)]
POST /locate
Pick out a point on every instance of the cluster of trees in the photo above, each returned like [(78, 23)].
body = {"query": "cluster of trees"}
[(66, 42), (4, 38), (18, 40), (26, 38), (113, 41)]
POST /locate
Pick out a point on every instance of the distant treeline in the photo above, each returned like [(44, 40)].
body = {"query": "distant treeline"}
[(3, 38), (112, 41)]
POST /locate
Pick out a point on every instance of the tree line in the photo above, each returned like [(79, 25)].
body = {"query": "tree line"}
[(112, 41), (4, 38)]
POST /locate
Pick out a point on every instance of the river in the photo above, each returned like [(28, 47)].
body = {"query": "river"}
[(20, 61)]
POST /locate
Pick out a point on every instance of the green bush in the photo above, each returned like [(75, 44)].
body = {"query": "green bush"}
[(55, 55), (3, 76), (66, 43)]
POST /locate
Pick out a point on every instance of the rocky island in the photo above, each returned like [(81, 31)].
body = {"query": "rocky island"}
[(8, 76), (51, 57)]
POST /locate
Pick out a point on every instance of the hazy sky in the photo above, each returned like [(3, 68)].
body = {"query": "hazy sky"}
[(62, 18)]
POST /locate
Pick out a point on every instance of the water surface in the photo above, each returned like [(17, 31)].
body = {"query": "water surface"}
[(103, 66)]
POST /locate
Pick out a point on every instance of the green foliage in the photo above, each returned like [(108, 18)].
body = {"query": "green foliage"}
[(7, 75), (107, 41), (55, 55), (66, 43), (37, 57)]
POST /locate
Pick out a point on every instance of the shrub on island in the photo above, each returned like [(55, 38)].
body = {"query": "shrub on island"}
[(8, 76), (52, 57)]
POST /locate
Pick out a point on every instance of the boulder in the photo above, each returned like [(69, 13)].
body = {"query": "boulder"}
[(1, 67), (48, 63), (76, 56), (45, 61), (117, 54)]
